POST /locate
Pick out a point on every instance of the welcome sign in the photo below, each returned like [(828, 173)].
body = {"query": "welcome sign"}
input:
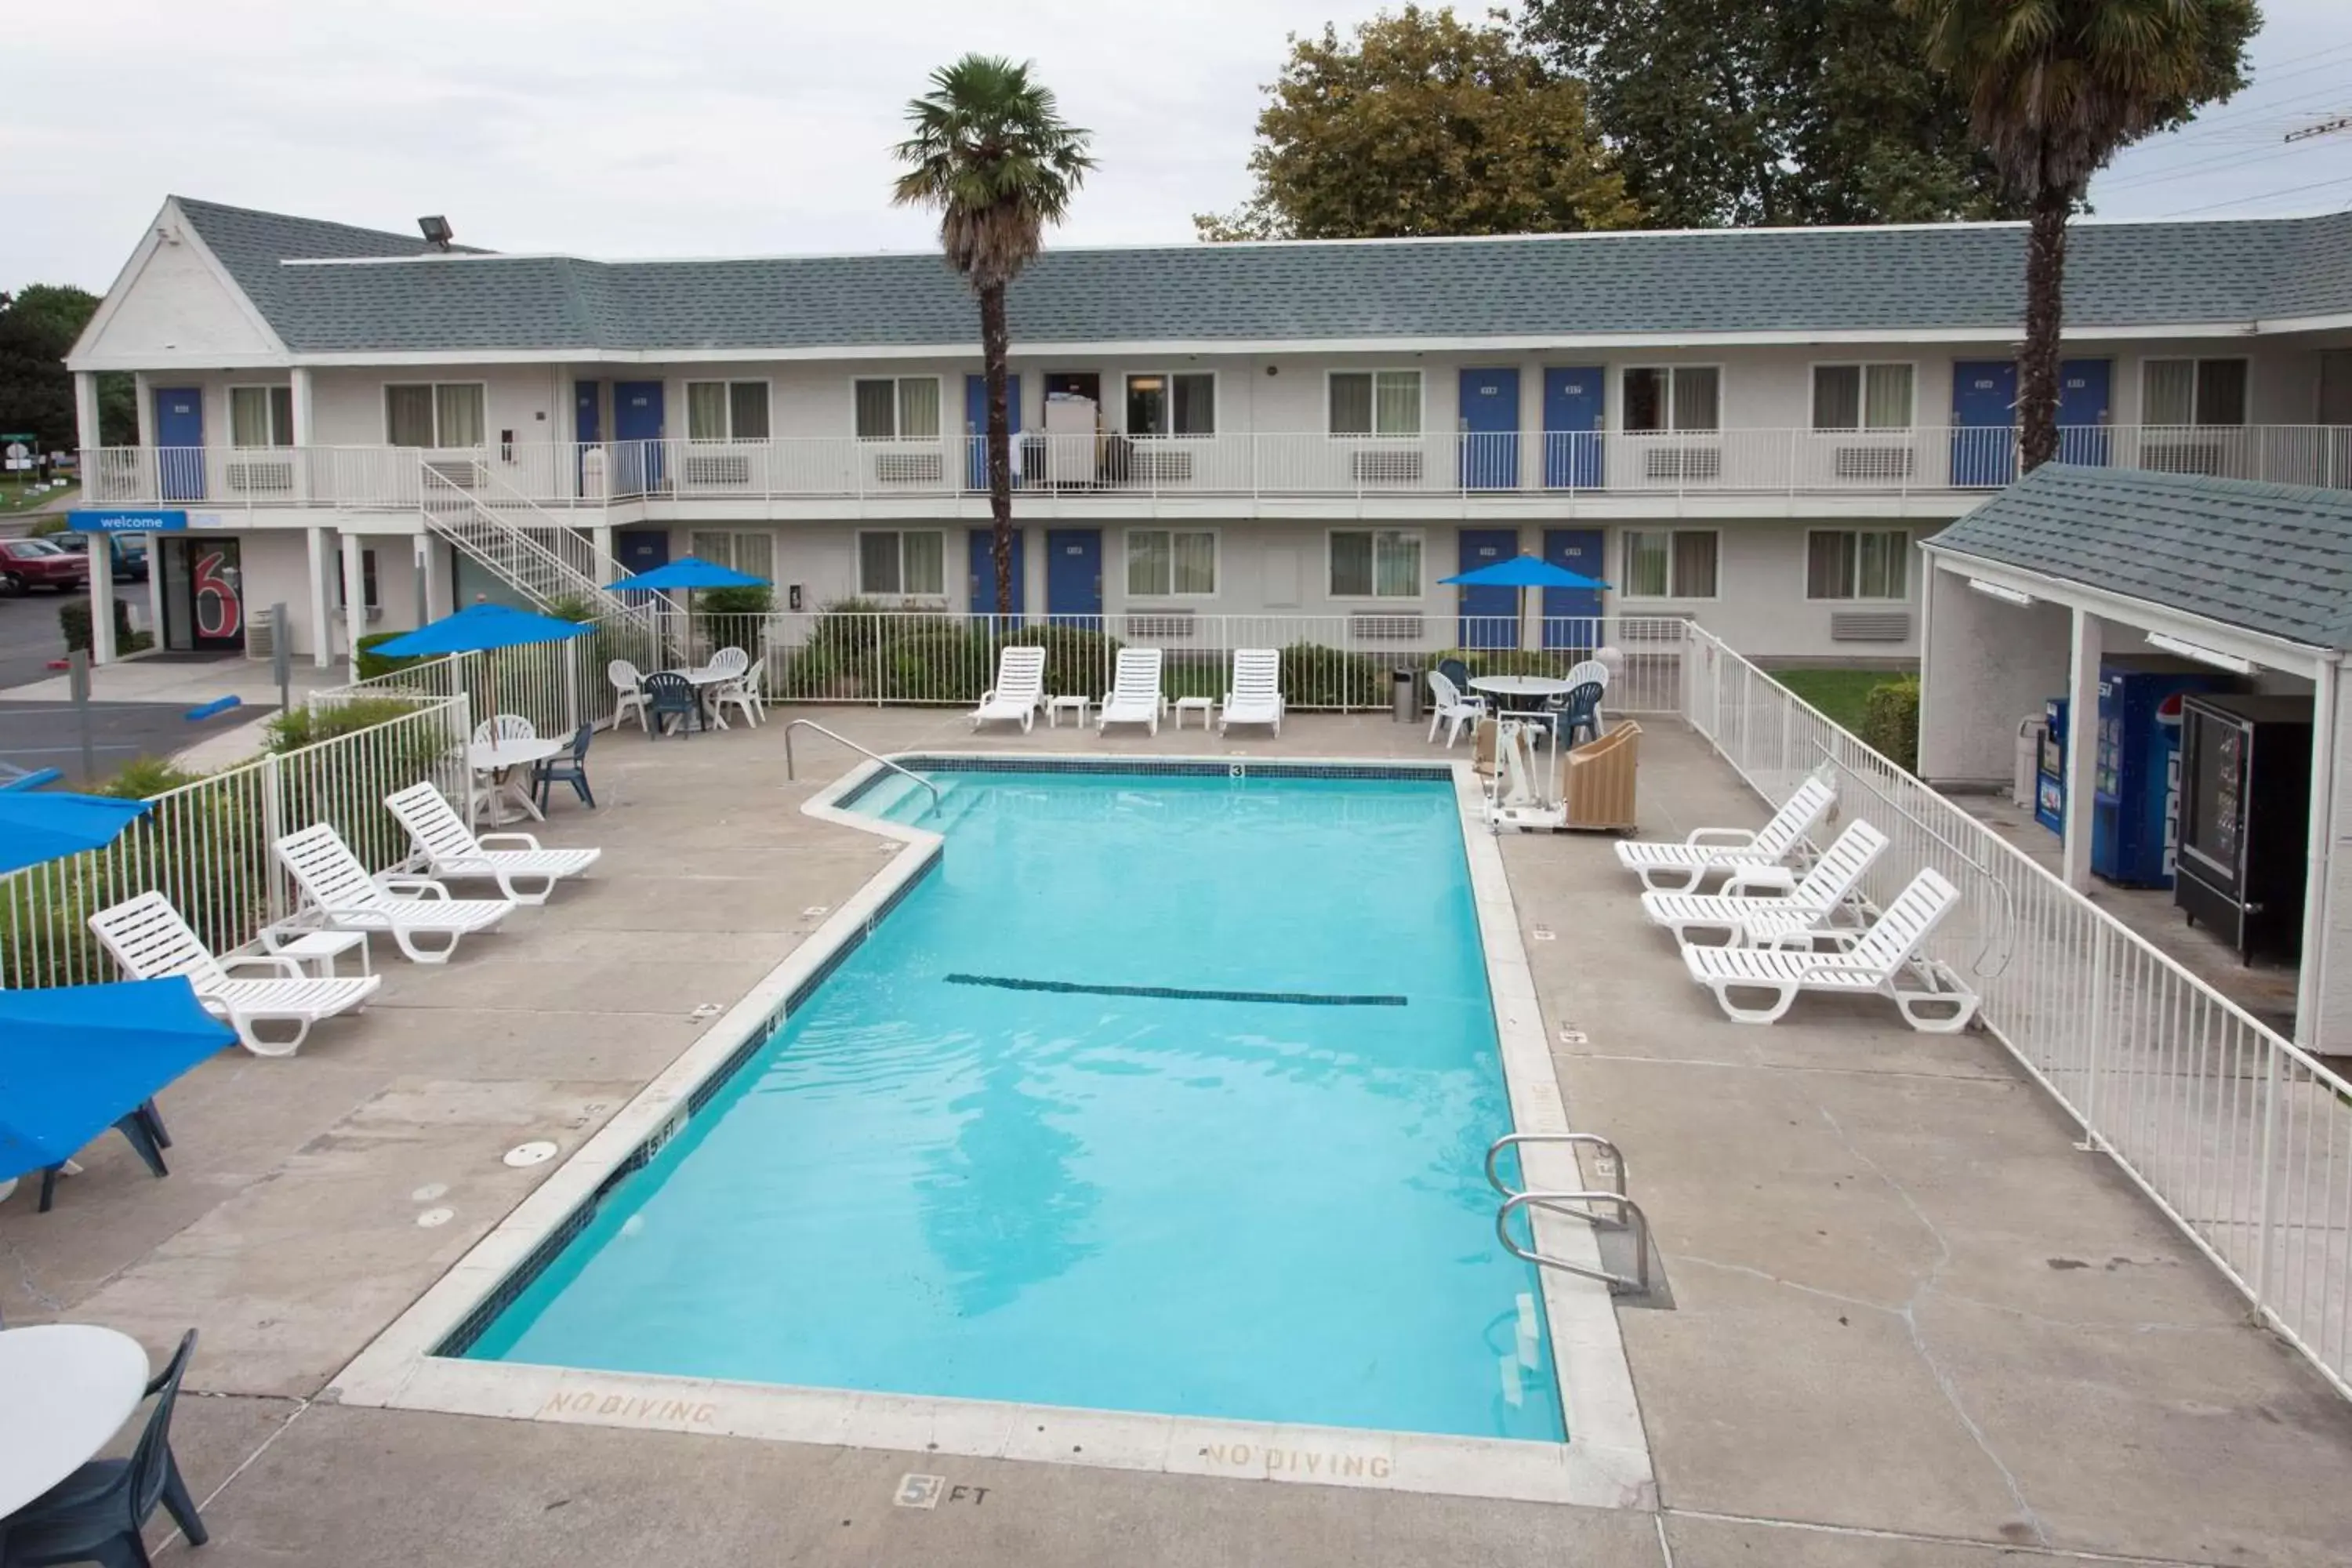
[(95, 521)]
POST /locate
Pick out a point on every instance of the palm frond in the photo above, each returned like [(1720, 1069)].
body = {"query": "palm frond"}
[(987, 147)]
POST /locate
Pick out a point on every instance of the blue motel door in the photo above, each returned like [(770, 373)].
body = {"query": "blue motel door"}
[(2083, 411), (1574, 415), (975, 424), (637, 426), (1073, 576), (982, 577), (1490, 616), (179, 443), (1984, 423), (1572, 616), (1490, 429)]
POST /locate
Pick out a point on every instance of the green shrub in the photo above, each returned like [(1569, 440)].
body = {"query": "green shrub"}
[(734, 617), (1890, 721), (44, 527), (1079, 660), (73, 619), (1314, 676)]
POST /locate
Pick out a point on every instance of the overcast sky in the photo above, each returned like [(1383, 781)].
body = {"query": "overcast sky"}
[(720, 127)]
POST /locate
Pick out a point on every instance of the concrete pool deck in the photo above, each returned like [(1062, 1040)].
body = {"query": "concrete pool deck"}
[(1913, 1324)]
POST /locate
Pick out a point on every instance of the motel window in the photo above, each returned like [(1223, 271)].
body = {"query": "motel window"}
[(1159, 405), (262, 415), (2193, 392), (726, 410), (1170, 562), (446, 415), (1857, 563), (912, 564), (1375, 563), (1861, 397), (898, 408), (1669, 564), (367, 583), (1673, 397), (753, 554), (1376, 403)]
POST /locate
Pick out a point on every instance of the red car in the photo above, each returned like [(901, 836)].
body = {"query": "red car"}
[(29, 563)]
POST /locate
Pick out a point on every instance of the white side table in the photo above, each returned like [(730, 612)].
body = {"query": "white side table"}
[(323, 947), (1057, 706), (1206, 707)]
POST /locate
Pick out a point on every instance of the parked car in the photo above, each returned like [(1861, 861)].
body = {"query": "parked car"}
[(29, 563), (127, 552)]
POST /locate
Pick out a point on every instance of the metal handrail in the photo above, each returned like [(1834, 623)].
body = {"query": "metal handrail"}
[(1558, 1202), (876, 756), (1513, 1140)]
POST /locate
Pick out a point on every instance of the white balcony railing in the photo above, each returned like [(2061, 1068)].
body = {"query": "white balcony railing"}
[(1922, 462)]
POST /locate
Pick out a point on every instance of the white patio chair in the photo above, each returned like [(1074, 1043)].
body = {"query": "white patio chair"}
[(1680, 867), (744, 694), (629, 694), (1749, 918), (1019, 692), (504, 727), (340, 894), (1255, 697), (452, 853), (1451, 706), (1884, 957), (1591, 671), (150, 942), (1135, 695)]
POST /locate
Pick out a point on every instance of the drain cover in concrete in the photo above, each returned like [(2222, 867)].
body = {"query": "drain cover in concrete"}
[(432, 1219), (535, 1152)]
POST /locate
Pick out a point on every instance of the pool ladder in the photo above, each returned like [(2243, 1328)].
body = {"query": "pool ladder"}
[(792, 772), (1586, 1204)]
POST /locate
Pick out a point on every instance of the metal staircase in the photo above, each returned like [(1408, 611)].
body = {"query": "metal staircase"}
[(540, 554), (1589, 1205)]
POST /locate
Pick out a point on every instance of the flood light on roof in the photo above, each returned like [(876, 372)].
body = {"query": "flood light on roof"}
[(2006, 594), (2200, 653), (437, 231)]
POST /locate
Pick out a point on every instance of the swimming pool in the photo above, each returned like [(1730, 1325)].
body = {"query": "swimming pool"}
[(1161, 1092)]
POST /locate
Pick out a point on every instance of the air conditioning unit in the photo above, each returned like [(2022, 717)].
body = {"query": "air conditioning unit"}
[(1153, 465), (261, 476), (1870, 626), (1653, 628), (909, 467), (1868, 463), (1389, 466), (260, 631), (1682, 465), (1160, 625), (1403, 626), (2181, 456), (719, 470)]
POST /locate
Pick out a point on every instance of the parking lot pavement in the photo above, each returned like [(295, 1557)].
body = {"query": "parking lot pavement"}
[(29, 636), (46, 734)]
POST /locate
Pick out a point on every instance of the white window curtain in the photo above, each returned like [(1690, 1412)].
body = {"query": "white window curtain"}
[(927, 553), (1648, 559), (919, 412), (458, 410), (2168, 392), (1837, 397), (755, 555), (1694, 556), (1147, 563), (1351, 408), (747, 411), (1351, 565), (877, 410), (408, 415), (1397, 402), (1698, 397), (877, 564), (262, 415), (719, 549), (1887, 403), (705, 411), (1193, 564)]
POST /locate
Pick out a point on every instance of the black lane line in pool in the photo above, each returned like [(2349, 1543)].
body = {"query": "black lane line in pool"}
[(1174, 994)]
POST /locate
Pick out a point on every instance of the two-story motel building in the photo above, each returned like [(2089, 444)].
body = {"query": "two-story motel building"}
[(1748, 427)]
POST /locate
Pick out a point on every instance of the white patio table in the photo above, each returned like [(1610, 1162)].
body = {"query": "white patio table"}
[(504, 760), (65, 1389)]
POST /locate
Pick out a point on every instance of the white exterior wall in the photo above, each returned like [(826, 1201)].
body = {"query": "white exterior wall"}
[(171, 304), (2330, 1029), (1986, 666)]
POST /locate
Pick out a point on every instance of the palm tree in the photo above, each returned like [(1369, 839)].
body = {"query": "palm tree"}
[(989, 148), (2056, 88)]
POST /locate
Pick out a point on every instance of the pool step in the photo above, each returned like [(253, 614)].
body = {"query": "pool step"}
[(1630, 1264)]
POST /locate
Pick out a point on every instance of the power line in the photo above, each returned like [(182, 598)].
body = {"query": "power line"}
[(2266, 196), (2226, 160)]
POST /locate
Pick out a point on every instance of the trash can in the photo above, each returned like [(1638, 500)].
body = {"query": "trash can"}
[(2027, 770), (1405, 696)]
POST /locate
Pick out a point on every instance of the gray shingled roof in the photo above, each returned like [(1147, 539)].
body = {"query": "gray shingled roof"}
[(1954, 276), (2276, 559)]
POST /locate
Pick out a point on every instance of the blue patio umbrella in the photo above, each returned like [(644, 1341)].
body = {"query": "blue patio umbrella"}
[(685, 575), (1524, 572), (77, 1059), (36, 827), (481, 628)]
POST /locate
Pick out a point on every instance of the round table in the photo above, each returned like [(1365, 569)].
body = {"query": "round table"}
[(502, 758), (1531, 689), (65, 1389)]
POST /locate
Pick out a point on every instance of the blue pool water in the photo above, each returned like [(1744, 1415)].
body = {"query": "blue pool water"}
[(1105, 1165)]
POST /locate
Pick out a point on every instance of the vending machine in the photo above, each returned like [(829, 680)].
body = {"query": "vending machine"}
[(2137, 779), (2050, 768)]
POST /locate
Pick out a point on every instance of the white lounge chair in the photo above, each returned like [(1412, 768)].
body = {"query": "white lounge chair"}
[(1135, 696), (1257, 694), (1680, 867), (1884, 958), (1451, 706), (1019, 692), (452, 853), (1749, 918), (150, 942), (340, 894)]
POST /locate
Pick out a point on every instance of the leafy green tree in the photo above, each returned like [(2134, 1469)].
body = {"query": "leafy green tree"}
[(1419, 123), (1743, 113), (38, 327), (2056, 88), (989, 150)]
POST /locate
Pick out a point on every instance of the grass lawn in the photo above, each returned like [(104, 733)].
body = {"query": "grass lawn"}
[(1838, 693), (14, 498)]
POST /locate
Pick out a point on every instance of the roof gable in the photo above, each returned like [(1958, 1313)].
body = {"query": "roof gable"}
[(2273, 559)]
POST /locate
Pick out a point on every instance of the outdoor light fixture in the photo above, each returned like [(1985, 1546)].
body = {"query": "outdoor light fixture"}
[(437, 231), (2200, 653), (2007, 595)]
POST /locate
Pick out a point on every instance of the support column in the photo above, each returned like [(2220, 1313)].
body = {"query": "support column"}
[(323, 636), (101, 598), (301, 433), (354, 598), (2312, 987), (599, 543), (85, 430), (437, 589), (2081, 746)]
